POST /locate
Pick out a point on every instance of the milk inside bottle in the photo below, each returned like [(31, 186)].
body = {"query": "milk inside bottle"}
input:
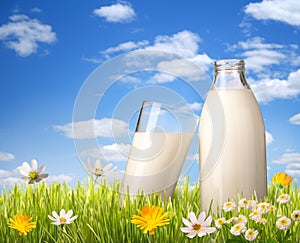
[(231, 139)]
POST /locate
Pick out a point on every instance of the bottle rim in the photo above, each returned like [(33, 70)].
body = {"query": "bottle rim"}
[(229, 64)]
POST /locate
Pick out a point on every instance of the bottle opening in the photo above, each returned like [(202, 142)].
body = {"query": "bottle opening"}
[(230, 64)]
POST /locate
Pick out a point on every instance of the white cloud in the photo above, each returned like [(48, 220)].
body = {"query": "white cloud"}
[(267, 89), (109, 153), (295, 119), (4, 156), (293, 169), (126, 46), (117, 13), (196, 106), (23, 34), (160, 78), (185, 43), (269, 138), (106, 127), (281, 10), (287, 158), (10, 177), (258, 54), (36, 10), (59, 178)]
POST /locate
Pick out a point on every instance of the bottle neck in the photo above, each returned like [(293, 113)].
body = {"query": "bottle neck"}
[(230, 74)]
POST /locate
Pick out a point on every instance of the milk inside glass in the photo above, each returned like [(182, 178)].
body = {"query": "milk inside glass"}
[(155, 161), (235, 163)]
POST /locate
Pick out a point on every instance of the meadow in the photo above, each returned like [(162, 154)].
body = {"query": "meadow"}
[(102, 215)]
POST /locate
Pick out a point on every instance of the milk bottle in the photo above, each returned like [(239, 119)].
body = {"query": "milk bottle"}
[(231, 139)]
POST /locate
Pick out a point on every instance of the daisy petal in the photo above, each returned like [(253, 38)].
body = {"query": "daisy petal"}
[(210, 230), (107, 167), (41, 169), (34, 164), (207, 221), (192, 234), (73, 218), (193, 218), (69, 214), (50, 217), (98, 164), (186, 222), (43, 176), (201, 218), (62, 213), (55, 215), (26, 167), (56, 223), (91, 165), (186, 229)]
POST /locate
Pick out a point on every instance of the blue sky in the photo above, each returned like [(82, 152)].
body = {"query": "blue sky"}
[(49, 49)]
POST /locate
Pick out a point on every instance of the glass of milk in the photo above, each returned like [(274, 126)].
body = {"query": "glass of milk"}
[(160, 144)]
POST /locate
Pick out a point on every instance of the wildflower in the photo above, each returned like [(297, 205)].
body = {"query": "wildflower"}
[(281, 180), (229, 206), (255, 215), (22, 224), (241, 219), (296, 215), (97, 170), (197, 226), (63, 217), (263, 207), (283, 198), (283, 223), (237, 229), (272, 208), (261, 221), (251, 234), (150, 219), (244, 203), (219, 222), (32, 173)]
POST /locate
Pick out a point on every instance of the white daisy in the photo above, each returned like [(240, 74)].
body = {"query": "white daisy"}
[(296, 215), (283, 223), (241, 219), (244, 203), (283, 198), (229, 206), (255, 215), (97, 170), (237, 229), (252, 203), (251, 234), (197, 226), (263, 207), (219, 222), (63, 217), (32, 173)]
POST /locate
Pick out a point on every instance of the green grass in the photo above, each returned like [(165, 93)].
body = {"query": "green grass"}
[(102, 217)]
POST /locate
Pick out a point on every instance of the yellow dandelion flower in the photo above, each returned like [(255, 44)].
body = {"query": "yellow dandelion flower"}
[(281, 180), (151, 217), (22, 224)]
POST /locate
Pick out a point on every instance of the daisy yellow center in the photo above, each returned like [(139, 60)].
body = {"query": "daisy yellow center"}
[(33, 175), (297, 216), (220, 221), (283, 222), (62, 220), (250, 233), (197, 227), (98, 170), (237, 227)]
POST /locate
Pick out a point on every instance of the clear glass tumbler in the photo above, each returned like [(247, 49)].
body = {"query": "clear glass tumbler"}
[(159, 148)]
